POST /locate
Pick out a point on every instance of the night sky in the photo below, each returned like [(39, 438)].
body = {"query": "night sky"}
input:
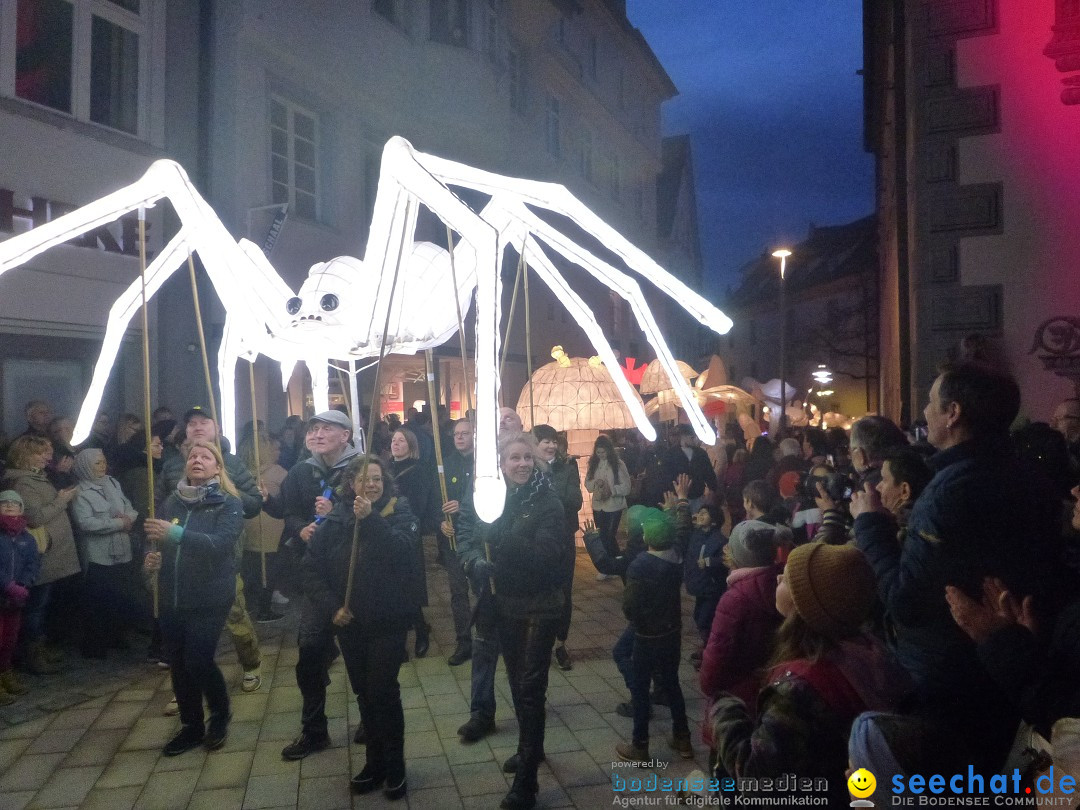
[(773, 105)]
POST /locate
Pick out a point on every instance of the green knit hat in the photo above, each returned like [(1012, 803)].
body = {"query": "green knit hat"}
[(635, 516), (659, 530)]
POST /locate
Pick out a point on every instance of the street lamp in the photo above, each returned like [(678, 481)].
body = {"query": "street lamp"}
[(782, 255)]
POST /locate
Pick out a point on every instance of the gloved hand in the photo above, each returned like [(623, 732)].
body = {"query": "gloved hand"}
[(16, 593), (480, 574)]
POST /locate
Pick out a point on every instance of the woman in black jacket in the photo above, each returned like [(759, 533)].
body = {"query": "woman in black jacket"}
[(197, 532), (371, 628), (417, 483), (523, 555)]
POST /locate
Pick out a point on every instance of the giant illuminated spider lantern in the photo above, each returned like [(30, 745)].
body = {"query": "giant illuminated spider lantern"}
[(401, 289)]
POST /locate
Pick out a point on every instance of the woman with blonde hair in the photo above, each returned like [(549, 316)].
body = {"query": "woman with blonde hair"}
[(196, 535), (45, 509)]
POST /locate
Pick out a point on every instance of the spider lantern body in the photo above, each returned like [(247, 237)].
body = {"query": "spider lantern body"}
[(401, 288)]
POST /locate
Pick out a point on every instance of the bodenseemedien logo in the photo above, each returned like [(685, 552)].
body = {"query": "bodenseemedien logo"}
[(860, 785)]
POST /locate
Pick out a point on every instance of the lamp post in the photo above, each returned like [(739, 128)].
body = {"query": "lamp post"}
[(782, 255)]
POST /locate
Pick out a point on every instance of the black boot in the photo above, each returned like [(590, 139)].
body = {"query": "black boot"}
[(522, 795), (462, 653), (423, 639)]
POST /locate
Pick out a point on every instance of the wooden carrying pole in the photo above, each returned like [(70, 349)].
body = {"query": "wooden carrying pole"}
[(436, 433), (374, 405), (202, 347), (460, 321), (150, 512), (258, 463), (528, 339)]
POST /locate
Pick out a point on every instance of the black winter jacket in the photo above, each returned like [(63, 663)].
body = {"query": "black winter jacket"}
[(199, 571), (306, 481), (384, 596), (528, 545)]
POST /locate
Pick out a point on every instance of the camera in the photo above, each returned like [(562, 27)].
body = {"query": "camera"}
[(837, 486)]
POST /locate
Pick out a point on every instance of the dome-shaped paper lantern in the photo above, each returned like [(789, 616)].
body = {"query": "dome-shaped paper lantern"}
[(655, 379), (577, 396), (715, 375)]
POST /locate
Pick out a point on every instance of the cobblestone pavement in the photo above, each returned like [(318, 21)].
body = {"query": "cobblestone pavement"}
[(91, 736)]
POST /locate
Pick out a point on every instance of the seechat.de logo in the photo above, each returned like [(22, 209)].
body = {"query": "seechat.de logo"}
[(861, 784)]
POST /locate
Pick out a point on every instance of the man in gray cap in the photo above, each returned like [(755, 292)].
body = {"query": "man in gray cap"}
[(308, 494)]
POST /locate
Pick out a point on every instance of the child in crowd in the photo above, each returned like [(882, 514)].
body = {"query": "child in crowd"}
[(745, 620), (19, 564), (704, 573), (825, 671), (652, 604)]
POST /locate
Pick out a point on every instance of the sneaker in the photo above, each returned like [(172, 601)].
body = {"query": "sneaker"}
[(216, 731), (278, 598), (681, 744), (252, 681), (268, 616), (162, 664), (562, 658), (602, 577), (303, 745), (626, 709), (188, 738), (632, 752), (476, 728), (462, 653), (172, 708)]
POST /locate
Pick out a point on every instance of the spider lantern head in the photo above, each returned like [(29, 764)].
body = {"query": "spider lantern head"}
[(331, 302)]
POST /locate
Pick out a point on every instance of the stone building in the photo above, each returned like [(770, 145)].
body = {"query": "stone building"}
[(973, 113), (279, 101)]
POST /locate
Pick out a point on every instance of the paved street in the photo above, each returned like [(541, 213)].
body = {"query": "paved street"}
[(92, 736)]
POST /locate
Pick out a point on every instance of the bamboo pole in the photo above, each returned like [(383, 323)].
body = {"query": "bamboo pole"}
[(258, 464), (150, 511), (374, 405), (437, 435), (202, 347), (513, 305), (528, 340), (460, 321)]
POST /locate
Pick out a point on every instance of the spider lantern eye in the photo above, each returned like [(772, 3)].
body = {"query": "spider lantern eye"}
[(292, 306), (329, 302)]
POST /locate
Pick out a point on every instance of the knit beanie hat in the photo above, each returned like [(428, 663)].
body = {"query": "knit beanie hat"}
[(658, 530), (833, 587), (11, 496), (753, 543), (635, 515)]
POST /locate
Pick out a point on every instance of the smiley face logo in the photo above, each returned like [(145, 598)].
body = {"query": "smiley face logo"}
[(861, 783)]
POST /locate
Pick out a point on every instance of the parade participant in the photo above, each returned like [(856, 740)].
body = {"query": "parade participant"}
[(371, 627), (196, 535), (566, 481), (414, 480), (308, 495), (103, 518), (516, 563), (19, 566), (45, 509), (199, 426), (459, 480), (609, 482)]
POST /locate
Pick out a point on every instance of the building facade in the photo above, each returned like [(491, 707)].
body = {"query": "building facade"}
[(283, 102), (972, 114), (831, 315)]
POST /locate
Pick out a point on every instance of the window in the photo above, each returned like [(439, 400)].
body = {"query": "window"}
[(587, 154), (83, 58), (294, 157), (551, 131), (515, 72), (450, 22)]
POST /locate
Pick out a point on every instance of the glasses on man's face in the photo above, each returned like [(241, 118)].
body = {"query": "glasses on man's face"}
[(462, 435)]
